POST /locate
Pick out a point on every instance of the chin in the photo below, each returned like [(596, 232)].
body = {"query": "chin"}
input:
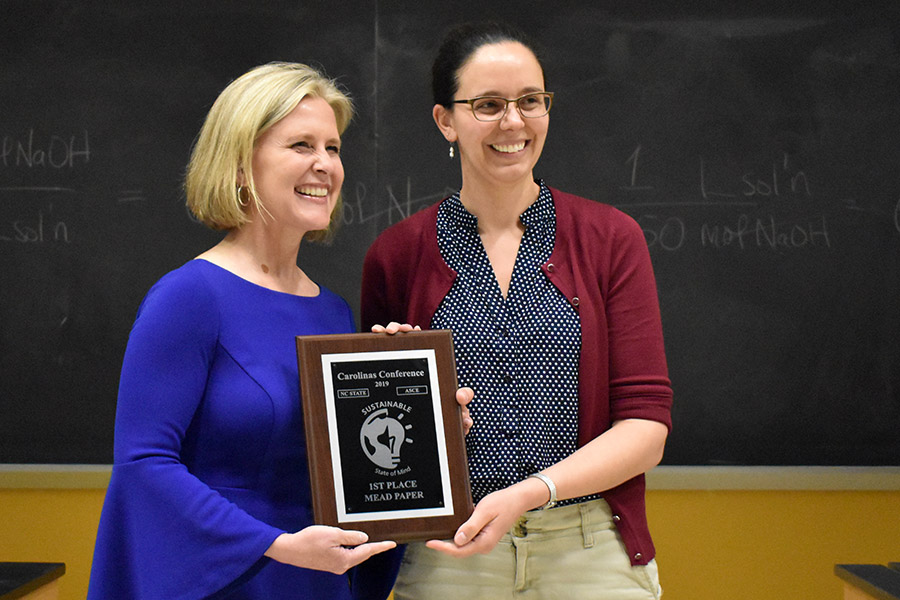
[(514, 175)]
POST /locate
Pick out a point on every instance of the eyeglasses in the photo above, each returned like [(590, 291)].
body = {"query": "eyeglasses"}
[(493, 108)]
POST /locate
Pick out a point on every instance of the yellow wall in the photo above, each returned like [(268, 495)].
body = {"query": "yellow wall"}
[(52, 525), (768, 545), (753, 545)]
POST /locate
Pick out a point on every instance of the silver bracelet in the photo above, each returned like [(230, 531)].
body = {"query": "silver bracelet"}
[(552, 486)]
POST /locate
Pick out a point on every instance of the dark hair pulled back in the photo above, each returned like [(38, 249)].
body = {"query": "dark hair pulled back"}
[(458, 46)]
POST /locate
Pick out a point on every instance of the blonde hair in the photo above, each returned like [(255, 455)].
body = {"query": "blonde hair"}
[(245, 109)]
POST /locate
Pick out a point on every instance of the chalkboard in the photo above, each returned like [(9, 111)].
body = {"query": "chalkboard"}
[(757, 145)]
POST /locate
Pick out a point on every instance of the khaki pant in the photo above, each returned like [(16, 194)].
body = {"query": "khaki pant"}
[(571, 552)]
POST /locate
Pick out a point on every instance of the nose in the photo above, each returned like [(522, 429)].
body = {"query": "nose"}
[(324, 162), (511, 119)]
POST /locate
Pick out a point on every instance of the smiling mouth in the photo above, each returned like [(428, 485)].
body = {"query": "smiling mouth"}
[(318, 192), (509, 148)]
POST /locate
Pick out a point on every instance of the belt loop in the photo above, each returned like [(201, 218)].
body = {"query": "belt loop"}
[(519, 541), (586, 525)]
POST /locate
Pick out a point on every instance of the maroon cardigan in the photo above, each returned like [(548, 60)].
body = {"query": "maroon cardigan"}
[(601, 264)]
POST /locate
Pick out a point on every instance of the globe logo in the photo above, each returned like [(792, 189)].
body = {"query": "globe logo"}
[(381, 438)]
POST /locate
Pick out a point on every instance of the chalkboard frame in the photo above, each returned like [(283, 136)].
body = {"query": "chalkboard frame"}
[(777, 307)]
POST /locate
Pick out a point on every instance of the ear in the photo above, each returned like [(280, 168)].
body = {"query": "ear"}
[(443, 118), (241, 181)]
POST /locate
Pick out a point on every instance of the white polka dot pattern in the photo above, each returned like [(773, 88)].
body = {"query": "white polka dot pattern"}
[(519, 354)]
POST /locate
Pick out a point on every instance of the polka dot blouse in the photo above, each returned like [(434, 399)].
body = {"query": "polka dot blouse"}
[(520, 354)]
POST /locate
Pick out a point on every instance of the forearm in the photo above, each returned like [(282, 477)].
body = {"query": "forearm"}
[(629, 448)]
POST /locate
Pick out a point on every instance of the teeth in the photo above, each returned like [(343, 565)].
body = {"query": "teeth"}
[(508, 148), (313, 191)]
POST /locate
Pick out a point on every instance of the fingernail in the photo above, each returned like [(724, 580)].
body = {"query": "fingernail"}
[(460, 538)]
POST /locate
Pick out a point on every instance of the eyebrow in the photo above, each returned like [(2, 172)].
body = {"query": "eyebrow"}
[(522, 92), (304, 137)]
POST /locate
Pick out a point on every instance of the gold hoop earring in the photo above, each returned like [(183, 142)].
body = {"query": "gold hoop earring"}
[(240, 200)]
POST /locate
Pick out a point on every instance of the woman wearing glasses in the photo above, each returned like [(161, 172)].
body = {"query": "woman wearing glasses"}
[(555, 318)]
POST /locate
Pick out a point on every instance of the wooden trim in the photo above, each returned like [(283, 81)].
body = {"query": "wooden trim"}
[(52, 476)]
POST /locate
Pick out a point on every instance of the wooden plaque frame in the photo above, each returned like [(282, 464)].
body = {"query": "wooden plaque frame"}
[(384, 434)]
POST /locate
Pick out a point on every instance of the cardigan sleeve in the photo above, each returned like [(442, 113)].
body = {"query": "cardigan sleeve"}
[(638, 374), (164, 533)]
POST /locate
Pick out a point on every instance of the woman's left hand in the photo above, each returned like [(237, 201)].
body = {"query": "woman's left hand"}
[(493, 516)]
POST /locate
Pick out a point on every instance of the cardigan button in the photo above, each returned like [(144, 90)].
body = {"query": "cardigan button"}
[(551, 267), (576, 301), (616, 518), (638, 556)]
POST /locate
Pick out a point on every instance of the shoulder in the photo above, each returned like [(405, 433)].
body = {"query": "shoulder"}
[(182, 308), (329, 297), (333, 300), (414, 225), (189, 280), (190, 287), (392, 246)]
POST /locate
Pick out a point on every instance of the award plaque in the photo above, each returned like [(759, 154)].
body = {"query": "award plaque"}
[(384, 434)]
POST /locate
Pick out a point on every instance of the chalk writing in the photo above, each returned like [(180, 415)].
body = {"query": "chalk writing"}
[(53, 151), (36, 229), (750, 191), (705, 192), (632, 184), (359, 210), (669, 234), (780, 181), (766, 232)]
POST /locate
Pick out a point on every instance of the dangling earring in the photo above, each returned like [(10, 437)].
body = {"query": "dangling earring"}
[(451, 150), (241, 201)]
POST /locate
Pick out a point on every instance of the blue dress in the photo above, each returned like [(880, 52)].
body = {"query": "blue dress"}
[(210, 459)]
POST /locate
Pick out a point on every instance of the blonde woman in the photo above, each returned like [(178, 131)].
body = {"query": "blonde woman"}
[(209, 496)]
